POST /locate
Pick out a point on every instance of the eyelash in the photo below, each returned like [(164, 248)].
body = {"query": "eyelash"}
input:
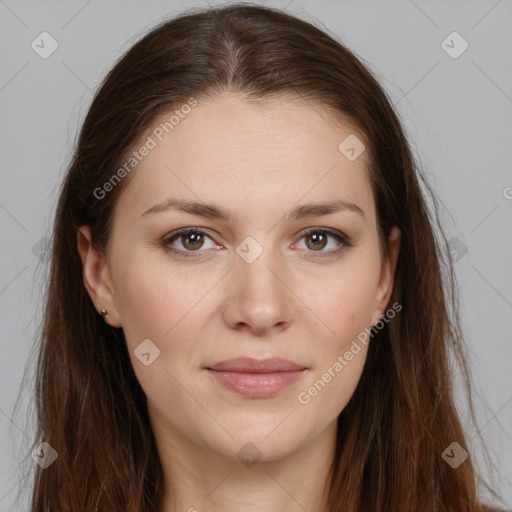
[(341, 238)]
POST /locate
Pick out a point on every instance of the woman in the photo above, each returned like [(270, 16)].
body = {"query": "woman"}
[(248, 308)]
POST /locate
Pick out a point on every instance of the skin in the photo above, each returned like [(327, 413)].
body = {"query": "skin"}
[(259, 160)]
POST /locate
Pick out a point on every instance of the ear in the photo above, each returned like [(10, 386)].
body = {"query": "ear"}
[(387, 274), (96, 276)]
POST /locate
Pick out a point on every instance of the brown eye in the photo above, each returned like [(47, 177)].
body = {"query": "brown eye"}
[(188, 241), (192, 241), (318, 240)]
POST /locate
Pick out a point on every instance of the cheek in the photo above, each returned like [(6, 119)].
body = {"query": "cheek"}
[(343, 350), (155, 305), (145, 303), (345, 305), (163, 303), (340, 354), (152, 297)]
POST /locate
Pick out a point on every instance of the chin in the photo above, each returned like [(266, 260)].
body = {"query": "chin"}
[(257, 441)]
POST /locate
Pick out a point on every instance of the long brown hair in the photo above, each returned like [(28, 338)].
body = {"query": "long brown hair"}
[(402, 416)]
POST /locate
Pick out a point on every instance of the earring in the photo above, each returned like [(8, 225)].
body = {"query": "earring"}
[(104, 314)]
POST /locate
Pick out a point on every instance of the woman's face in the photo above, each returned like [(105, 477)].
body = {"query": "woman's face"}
[(252, 284)]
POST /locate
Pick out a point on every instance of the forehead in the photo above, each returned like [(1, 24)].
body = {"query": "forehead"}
[(248, 153)]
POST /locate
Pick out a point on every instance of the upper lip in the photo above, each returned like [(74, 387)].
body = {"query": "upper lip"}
[(249, 365)]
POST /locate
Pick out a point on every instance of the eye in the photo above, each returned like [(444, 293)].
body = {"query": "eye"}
[(319, 238), (193, 239), (190, 239)]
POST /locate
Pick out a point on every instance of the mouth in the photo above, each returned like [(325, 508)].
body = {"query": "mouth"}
[(254, 378)]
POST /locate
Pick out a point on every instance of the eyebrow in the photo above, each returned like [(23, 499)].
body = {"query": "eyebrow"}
[(214, 211)]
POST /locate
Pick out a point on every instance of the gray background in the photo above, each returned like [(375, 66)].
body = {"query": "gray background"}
[(457, 113)]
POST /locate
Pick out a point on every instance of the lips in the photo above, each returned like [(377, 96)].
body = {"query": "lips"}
[(255, 378), (249, 365)]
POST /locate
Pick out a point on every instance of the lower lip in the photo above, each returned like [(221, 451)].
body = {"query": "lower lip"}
[(256, 385)]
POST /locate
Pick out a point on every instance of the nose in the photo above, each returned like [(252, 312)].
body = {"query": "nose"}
[(258, 297)]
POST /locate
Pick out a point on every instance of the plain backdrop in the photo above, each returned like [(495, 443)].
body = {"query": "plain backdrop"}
[(454, 101)]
